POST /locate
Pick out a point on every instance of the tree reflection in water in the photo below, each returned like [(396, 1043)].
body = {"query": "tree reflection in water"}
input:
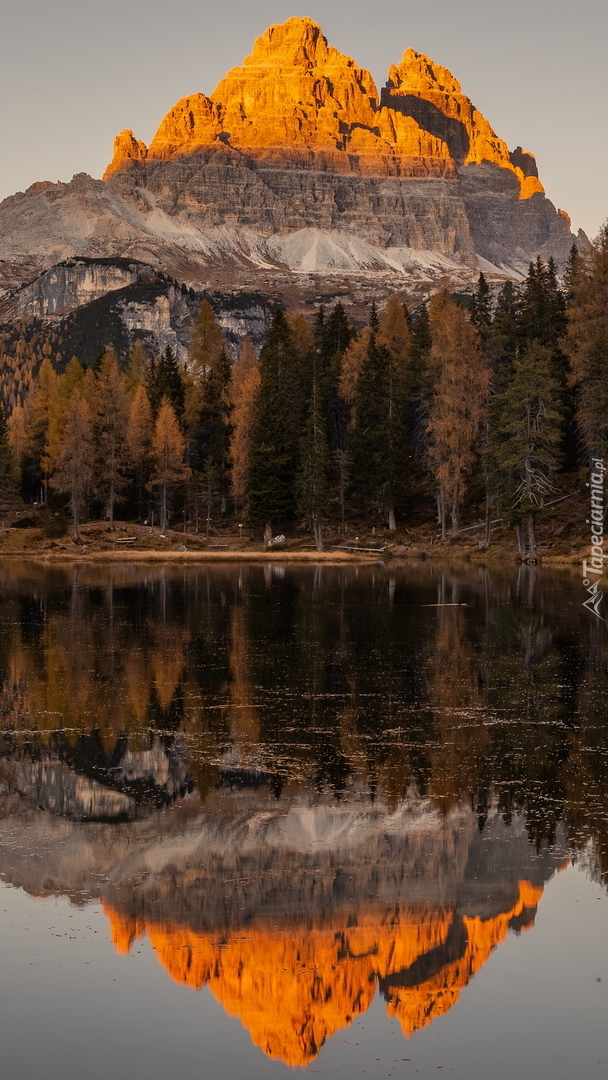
[(303, 785)]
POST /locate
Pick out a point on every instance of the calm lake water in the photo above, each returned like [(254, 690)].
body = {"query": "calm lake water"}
[(257, 819)]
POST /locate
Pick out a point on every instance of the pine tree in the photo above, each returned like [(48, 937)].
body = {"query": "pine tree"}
[(379, 439), (587, 346), (165, 381), (75, 465), (480, 310), (312, 478), (276, 429), (212, 435), (8, 472), (526, 436), (167, 454), (39, 414)]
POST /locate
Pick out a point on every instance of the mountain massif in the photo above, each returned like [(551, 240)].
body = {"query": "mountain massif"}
[(297, 178)]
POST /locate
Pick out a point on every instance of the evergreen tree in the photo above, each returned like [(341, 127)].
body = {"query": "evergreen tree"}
[(480, 310), (212, 436), (379, 443), (420, 385), (587, 346), (8, 472), (542, 309), (526, 436), (312, 481), (39, 413), (165, 381), (276, 433)]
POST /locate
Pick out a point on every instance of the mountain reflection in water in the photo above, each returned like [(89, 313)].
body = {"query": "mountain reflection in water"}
[(303, 786)]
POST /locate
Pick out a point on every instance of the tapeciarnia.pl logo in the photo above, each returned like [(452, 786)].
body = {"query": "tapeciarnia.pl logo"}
[(593, 570)]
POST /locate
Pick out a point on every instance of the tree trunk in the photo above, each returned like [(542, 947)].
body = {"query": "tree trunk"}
[(521, 540), (455, 518), (486, 535), (163, 508), (318, 535), (441, 510), (531, 535), (267, 532), (391, 516)]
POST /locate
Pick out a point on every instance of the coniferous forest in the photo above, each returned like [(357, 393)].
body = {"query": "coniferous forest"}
[(479, 408)]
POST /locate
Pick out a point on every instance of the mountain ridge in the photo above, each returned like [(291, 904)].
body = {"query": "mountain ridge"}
[(297, 171)]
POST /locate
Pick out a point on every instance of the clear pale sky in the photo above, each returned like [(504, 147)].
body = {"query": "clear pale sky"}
[(74, 72)]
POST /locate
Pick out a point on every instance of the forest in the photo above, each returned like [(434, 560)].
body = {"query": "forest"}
[(487, 406)]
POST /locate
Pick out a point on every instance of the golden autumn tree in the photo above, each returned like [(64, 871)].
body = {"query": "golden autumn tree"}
[(395, 334), (60, 403), (460, 383), (111, 431), (244, 383), (139, 438), (75, 464), (167, 453), (18, 438)]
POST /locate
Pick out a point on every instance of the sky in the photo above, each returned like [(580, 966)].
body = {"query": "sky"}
[(73, 73)]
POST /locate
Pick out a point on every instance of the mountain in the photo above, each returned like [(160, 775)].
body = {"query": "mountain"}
[(297, 177)]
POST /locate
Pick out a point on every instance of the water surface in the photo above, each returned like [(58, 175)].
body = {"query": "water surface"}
[(351, 820)]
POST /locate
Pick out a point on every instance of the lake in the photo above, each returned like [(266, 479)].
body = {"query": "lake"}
[(347, 820)]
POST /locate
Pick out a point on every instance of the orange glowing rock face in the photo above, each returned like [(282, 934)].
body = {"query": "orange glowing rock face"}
[(294, 989), (298, 102)]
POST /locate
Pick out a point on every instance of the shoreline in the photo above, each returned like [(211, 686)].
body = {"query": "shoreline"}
[(260, 555)]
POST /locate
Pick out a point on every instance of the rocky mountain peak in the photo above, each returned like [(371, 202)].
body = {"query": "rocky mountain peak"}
[(433, 97), (294, 166)]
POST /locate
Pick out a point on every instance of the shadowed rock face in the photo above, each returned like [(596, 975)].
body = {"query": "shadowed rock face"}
[(296, 166)]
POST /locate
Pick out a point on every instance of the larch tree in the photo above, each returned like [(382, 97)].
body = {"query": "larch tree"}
[(461, 379), (136, 372), (19, 439), (168, 458), (139, 439), (75, 465), (243, 389), (111, 430), (395, 333), (60, 403)]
